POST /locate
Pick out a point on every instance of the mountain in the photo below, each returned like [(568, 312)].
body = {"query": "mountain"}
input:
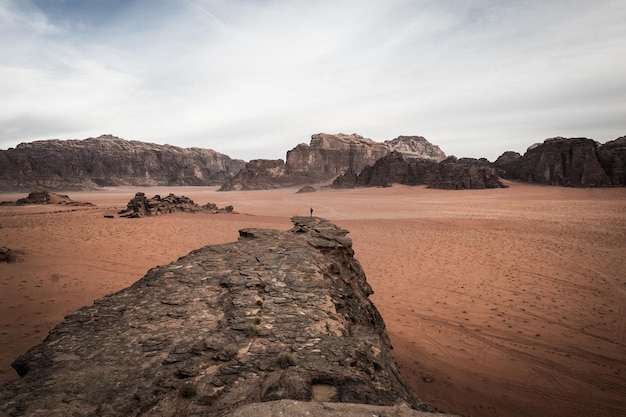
[(110, 161), (571, 162), (325, 158)]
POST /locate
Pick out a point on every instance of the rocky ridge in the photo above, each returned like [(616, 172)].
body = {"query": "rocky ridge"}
[(274, 316), (140, 206), (110, 161), (324, 159), (449, 174), (46, 197), (571, 162)]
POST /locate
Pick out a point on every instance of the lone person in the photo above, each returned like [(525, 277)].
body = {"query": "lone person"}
[(311, 211)]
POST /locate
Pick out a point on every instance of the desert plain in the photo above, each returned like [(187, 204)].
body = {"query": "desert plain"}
[(505, 302)]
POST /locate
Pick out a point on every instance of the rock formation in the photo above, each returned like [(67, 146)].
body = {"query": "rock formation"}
[(416, 147), (326, 158), (109, 161), (273, 316), (46, 197), (140, 206), (449, 174), (6, 254), (573, 162)]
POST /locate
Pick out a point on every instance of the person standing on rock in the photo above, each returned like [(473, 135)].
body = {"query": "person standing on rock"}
[(311, 211)]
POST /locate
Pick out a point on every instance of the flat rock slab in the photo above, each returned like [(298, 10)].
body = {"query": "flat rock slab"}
[(276, 315)]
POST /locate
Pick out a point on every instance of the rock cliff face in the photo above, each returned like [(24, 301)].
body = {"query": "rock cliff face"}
[(573, 162), (449, 174), (416, 147), (326, 158), (109, 161), (273, 316)]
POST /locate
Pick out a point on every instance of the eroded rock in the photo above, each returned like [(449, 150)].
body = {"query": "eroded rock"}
[(273, 316), (140, 206)]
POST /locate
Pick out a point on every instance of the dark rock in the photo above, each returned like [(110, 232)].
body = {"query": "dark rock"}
[(140, 206), (6, 254), (307, 189), (561, 161), (450, 174), (464, 174), (508, 165), (110, 161), (612, 156), (46, 197), (131, 354)]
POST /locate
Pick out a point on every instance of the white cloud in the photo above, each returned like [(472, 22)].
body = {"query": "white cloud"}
[(254, 78)]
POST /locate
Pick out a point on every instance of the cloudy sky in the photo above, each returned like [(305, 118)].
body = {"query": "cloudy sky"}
[(253, 78)]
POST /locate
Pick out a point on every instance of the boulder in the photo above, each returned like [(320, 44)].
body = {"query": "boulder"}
[(277, 315), (6, 254)]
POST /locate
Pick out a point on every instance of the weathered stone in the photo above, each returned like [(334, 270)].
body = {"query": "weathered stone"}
[(450, 174), (140, 206), (110, 161), (416, 147), (574, 162), (46, 197), (194, 338), (6, 254)]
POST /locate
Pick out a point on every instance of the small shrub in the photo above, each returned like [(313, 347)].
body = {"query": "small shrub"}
[(285, 360), (188, 390)]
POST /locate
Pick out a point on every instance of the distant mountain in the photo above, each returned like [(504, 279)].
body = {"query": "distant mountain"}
[(572, 162), (326, 158), (110, 161)]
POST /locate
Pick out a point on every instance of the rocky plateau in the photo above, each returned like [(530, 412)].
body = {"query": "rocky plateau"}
[(109, 161)]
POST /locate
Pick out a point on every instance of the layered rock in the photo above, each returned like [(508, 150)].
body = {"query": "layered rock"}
[(110, 161), (140, 206), (325, 158), (450, 174), (273, 316), (416, 147), (573, 162), (46, 197)]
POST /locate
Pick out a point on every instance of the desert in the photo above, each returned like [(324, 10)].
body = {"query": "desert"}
[(498, 302)]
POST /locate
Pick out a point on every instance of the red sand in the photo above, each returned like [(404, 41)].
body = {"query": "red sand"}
[(506, 302)]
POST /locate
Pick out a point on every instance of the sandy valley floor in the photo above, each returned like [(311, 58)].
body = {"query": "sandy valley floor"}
[(508, 302)]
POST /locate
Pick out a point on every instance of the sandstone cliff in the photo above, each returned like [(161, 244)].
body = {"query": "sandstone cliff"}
[(572, 162), (449, 174), (326, 158), (416, 147), (273, 316), (109, 161)]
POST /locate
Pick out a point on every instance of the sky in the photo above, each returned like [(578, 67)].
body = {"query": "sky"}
[(254, 78)]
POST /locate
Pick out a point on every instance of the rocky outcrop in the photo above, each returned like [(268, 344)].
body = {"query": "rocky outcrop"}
[(6, 254), (464, 174), (46, 197), (325, 158), (612, 157), (110, 161), (449, 174), (573, 162), (274, 316), (140, 206), (416, 147)]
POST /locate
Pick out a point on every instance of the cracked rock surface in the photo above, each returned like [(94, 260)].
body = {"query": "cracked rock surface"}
[(277, 315)]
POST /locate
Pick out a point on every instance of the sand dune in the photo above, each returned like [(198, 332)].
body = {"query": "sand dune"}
[(506, 302)]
